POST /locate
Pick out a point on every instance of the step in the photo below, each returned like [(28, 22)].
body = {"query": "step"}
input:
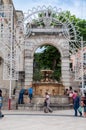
[(39, 107)]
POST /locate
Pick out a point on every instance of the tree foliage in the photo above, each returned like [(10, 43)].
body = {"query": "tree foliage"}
[(48, 59), (82, 28)]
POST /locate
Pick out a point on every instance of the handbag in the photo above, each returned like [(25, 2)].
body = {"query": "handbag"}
[(80, 109)]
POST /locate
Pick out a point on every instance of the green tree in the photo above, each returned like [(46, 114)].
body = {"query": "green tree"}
[(82, 28), (49, 59)]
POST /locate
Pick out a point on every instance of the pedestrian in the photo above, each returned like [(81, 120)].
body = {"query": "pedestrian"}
[(47, 107), (14, 90), (30, 93), (84, 104), (74, 95), (1, 102), (70, 95), (76, 103), (66, 92), (21, 93), (0, 91)]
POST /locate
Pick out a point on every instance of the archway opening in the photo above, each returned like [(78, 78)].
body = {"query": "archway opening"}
[(47, 71), (47, 57)]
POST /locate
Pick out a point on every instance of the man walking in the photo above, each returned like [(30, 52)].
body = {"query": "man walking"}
[(30, 93), (47, 103)]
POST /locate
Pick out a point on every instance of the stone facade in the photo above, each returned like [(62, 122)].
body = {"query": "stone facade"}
[(13, 30)]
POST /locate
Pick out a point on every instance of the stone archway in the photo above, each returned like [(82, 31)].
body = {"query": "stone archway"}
[(31, 46), (39, 31)]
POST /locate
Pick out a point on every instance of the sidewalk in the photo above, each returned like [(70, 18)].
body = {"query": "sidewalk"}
[(38, 120)]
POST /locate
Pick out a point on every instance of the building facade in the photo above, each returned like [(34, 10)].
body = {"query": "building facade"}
[(11, 35)]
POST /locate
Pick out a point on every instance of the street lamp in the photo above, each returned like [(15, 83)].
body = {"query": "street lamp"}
[(82, 71), (6, 40)]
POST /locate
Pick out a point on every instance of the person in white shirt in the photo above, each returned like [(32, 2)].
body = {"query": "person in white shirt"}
[(47, 102)]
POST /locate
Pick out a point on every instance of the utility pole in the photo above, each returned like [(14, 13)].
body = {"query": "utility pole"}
[(11, 60), (82, 71)]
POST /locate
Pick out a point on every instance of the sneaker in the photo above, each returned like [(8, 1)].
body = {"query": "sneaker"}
[(1, 116)]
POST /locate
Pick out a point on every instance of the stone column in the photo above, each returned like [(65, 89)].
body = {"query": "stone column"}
[(28, 68), (65, 72)]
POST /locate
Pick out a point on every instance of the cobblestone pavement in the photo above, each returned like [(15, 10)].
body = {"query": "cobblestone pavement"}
[(37, 120)]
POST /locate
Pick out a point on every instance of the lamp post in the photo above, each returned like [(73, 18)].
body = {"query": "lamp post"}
[(11, 60), (82, 71), (6, 42)]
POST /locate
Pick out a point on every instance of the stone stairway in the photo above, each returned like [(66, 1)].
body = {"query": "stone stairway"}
[(57, 103), (39, 107)]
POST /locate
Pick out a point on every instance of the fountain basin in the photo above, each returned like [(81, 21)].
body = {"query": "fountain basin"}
[(54, 89)]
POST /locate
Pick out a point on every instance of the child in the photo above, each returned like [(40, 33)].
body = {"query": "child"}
[(1, 100)]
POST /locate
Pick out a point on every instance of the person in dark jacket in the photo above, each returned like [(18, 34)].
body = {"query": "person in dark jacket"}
[(1, 103), (76, 104), (84, 104), (21, 93)]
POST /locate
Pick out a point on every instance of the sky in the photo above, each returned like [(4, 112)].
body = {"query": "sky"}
[(76, 7)]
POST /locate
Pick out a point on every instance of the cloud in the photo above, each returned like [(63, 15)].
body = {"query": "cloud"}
[(76, 7)]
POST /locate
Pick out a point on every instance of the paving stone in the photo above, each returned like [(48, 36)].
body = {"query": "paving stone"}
[(38, 120)]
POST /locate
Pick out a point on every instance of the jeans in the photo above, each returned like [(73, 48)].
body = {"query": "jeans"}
[(75, 111)]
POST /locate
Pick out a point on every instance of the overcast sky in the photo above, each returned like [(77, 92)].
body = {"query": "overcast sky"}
[(76, 7)]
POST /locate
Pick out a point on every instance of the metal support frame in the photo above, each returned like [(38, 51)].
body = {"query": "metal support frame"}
[(7, 43), (82, 73), (80, 66)]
